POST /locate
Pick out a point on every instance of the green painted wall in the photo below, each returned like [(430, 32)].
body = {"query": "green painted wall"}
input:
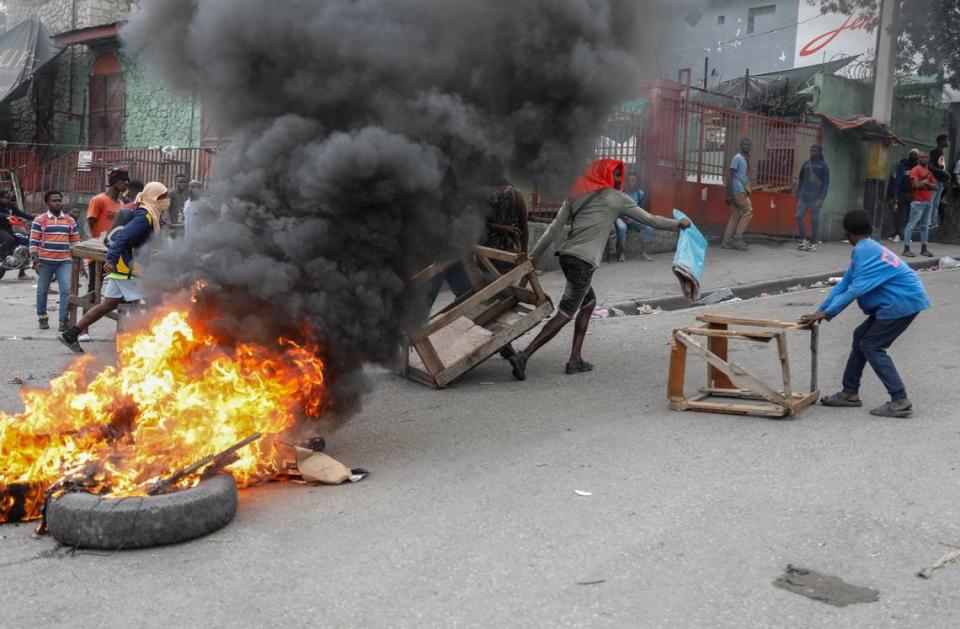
[(917, 125), (153, 115)]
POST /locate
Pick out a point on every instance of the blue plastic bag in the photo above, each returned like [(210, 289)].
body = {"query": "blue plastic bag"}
[(689, 259)]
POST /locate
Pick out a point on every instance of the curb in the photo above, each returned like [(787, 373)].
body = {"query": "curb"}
[(749, 291)]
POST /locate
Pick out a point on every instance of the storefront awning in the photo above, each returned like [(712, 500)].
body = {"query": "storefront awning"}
[(24, 51), (865, 127)]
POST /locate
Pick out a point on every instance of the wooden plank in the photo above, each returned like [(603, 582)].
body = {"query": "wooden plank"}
[(757, 323), (429, 356), (501, 338), (743, 394), (473, 273), (76, 264), (497, 254), (719, 337), (719, 346), (678, 371), (734, 371), (535, 285), (784, 364), (495, 310), (421, 376), (763, 410), (428, 273), (488, 265), (458, 339), (472, 302), (525, 295), (814, 355), (802, 401)]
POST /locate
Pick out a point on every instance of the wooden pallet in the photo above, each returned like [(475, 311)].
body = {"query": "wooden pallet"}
[(727, 380), (92, 249), (501, 307)]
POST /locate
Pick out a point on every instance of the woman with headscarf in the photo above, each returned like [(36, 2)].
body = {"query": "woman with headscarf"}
[(595, 201), (120, 268)]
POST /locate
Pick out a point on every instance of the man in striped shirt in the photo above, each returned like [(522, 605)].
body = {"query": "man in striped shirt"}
[(52, 236)]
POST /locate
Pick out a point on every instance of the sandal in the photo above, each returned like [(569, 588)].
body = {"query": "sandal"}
[(580, 367), (887, 411), (840, 400)]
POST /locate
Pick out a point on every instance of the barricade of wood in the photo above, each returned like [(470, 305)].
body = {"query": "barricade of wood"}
[(726, 379), (502, 306)]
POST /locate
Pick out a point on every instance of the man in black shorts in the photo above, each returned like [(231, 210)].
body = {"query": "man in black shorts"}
[(595, 202)]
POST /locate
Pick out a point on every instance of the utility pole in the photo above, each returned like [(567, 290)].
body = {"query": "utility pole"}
[(885, 63), (883, 88)]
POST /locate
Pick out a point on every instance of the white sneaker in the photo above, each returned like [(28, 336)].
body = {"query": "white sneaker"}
[(805, 245), (812, 246), (83, 337), (896, 238)]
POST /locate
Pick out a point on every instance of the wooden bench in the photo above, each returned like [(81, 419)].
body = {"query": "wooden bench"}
[(726, 379), (477, 326)]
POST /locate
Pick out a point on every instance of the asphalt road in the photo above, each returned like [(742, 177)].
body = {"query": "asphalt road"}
[(470, 516)]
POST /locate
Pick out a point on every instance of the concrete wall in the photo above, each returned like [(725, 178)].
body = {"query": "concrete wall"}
[(59, 16), (684, 41), (916, 124)]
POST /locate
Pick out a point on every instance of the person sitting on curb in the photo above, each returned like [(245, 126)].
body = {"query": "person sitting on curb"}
[(595, 202), (891, 294), (122, 284)]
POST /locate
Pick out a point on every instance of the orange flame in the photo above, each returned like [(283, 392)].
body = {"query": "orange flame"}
[(175, 396)]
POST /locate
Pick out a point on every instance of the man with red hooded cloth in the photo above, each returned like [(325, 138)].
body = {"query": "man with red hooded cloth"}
[(595, 201)]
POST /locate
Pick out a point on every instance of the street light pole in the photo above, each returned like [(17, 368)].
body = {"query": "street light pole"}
[(883, 87)]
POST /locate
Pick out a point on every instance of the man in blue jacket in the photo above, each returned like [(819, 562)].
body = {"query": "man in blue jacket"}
[(811, 191), (891, 295), (120, 268)]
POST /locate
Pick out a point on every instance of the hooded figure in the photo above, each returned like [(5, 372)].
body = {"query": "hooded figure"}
[(596, 200), (812, 189), (122, 284)]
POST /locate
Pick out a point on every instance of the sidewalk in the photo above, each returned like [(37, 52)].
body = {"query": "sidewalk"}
[(779, 263)]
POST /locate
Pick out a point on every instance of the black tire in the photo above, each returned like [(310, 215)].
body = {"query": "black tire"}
[(87, 521)]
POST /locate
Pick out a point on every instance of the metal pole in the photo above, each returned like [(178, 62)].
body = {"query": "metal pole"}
[(885, 62), (706, 71)]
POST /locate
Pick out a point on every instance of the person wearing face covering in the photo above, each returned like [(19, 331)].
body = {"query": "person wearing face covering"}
[(121, 268)]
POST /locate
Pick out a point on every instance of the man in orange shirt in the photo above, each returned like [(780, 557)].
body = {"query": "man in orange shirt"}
[(103, 208)]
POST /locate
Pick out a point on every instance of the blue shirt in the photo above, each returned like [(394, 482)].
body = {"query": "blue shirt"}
[(883, 285), (638, 196), (741, 173)]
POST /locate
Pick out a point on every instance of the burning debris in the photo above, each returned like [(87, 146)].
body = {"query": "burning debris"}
[(361, 133), (175, 396)]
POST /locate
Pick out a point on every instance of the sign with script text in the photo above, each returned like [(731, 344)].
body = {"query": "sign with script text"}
[(828, 37)]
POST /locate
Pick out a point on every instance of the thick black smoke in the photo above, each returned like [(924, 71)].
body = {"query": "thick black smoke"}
[(361, 131)]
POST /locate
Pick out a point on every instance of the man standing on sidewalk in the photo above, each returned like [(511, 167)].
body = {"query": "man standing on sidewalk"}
[(924, 185), (938, 166), (595, 201), (52, 235), (811, 191), (738, 196)]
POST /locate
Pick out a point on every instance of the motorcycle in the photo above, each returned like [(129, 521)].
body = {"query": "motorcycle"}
[(19, 260)]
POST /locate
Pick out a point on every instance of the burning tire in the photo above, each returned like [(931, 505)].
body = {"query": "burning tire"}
[(88, 521)]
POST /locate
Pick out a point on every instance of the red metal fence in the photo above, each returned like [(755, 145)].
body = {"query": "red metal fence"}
[(690, 148), (65, 173), (682, 151)]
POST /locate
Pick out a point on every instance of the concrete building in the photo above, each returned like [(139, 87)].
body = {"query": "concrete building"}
[(95, 95), (728, 37)]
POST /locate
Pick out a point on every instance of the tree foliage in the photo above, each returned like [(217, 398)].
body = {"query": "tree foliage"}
[(928, 33)]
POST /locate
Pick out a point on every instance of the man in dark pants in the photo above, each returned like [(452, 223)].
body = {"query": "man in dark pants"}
[(938, 166), (891, 295), (595, 202)]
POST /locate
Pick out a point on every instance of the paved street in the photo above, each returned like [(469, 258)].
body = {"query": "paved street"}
[(469, 517)]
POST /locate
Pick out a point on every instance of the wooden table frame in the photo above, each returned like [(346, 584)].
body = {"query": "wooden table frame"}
[(726, 379), (96, 251), (515, 291)]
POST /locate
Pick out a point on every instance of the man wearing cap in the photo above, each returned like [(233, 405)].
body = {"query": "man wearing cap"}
[(103, 208), (811, 191)]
